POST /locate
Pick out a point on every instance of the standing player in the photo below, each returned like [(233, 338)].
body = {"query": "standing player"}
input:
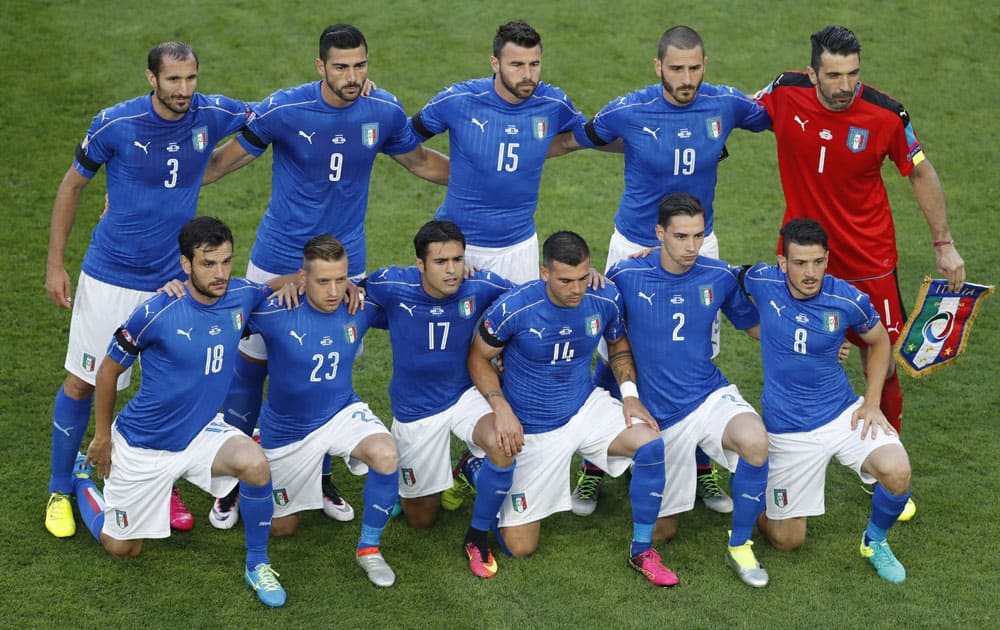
[(433, 310), (833, 134), (810, 411), (548, 409), (325, 137), (172, 428), (499, 131), (156, 148), (312, 410), (673, 134), (672, 298)]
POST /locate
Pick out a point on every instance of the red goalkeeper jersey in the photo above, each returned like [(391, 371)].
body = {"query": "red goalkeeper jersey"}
[(831, 162)]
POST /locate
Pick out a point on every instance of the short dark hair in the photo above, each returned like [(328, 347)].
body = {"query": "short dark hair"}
[(436, 232), (836, 40), (682, 37), (802, 232), (515, 32), (323, 247), (202, 232), (341, 37), (679, 203), (566, 247), (174, 50)]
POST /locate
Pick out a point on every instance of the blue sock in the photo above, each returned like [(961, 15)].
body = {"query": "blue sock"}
[(70, 418), (645, 493), (242, 405), (604, 377), (491, 490), (326, 464), (256, 510), (749, 485), (381, 490), (701, 459), (91, 503), (471, 469), (886, 508), (495, 528)]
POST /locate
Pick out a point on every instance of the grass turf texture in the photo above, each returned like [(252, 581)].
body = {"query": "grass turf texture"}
[(63, 62)]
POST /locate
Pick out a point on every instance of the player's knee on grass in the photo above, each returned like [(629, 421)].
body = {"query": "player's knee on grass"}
[(787, 535), (420, 513), (284, 526), (665, 528), (121, 549), (521, 543)]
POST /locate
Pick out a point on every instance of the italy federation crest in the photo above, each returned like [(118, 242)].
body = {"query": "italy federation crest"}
[(857, 139), (89, 363), (280, 496), (781, 497), (409, 478), (238, 320), (539, 126), (199, 138), (714, 127), (369, 134), (467, 307), (705, 295), (351, 332), (121, 519), (519, 502), (593, 325), (831, 321)]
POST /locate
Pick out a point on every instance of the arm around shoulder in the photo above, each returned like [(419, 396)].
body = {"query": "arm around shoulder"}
[(225, 160), (426, 164)]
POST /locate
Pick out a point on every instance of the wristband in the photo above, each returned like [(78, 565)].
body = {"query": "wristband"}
[(628, 388), (943, 243)]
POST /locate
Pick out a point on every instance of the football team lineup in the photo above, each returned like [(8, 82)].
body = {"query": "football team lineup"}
[(655, 404)]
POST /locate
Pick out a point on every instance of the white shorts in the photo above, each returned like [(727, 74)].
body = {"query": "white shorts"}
[(99, 309), (798, 462), (425, 445), (137, 494), (296, 467), (517, 263), (703, 428), (620, 248), (541, 472)]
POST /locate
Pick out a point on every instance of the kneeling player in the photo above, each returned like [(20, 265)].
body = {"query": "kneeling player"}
[(810, 411), (432, 311)]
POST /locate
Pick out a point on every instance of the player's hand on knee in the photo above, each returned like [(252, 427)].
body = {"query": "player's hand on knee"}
[(633, 408), (510, 433), (872, 418)]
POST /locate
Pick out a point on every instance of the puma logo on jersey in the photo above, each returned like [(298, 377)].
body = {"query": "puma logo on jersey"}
[(802, 123), (408, 309), (307, 136), (297, 336), (144, 147), (148, 312), (648, 298), (652, 132), (186, 333), (777, 309), (270, 102), (536, 331), (481, 125)]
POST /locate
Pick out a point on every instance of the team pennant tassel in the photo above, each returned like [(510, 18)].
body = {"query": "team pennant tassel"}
[(937, 332)]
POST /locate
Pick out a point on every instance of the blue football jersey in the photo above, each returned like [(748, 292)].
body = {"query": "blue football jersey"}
[(669, 321), (497, 150), (669, 149), (154, 172), (547, 350), (187, 352), (321, 168), (430, 337), (310, 360), (805, 386)]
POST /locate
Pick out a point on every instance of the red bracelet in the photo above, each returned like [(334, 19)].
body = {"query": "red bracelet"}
[(943, 243)]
